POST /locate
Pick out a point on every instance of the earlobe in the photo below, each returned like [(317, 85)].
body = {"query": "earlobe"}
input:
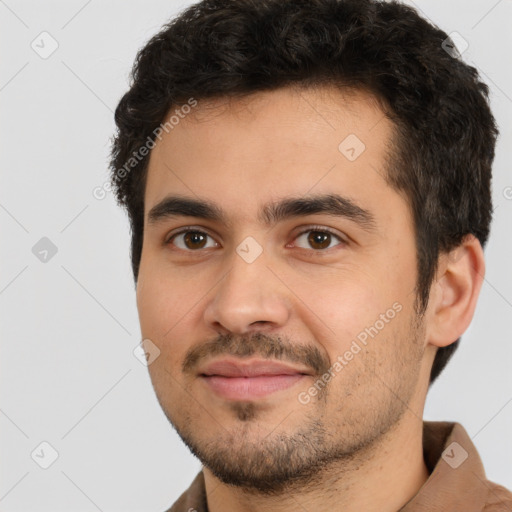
[(455, 292)]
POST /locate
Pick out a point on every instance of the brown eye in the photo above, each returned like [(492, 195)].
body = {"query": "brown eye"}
[(317, 239), (192, 240)]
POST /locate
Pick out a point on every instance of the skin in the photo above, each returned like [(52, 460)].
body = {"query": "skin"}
[(357, 444)]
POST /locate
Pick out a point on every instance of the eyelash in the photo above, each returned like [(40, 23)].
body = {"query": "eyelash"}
[(319, 229)]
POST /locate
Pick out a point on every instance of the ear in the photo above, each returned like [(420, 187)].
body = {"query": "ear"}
[(455, 291)]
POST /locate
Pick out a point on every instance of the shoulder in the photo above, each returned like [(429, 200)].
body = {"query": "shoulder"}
[(498, 499), (193, 499)]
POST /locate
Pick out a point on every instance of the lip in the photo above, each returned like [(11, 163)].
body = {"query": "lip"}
[(245, 380), (250, 368)]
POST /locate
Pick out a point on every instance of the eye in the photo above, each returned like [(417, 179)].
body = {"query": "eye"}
[(191, 240), (318, 239)]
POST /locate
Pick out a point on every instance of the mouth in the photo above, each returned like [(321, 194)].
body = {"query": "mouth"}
[(248, 388), (234, 379)]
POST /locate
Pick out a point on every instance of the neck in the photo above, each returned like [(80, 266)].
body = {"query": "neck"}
[(383, 479)]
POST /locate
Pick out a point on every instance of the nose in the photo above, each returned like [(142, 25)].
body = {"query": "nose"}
[(247, 299)]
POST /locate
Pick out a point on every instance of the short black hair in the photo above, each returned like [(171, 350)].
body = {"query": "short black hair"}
[(444, 131)]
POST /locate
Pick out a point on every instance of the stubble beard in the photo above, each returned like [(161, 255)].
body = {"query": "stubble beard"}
[(274, 462)]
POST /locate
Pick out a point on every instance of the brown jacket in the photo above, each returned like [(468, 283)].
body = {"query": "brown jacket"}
[(457, 481)]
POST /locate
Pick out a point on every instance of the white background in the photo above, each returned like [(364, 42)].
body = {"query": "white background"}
[(69, 326)]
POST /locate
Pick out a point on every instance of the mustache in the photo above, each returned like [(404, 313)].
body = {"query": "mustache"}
[(259, 344)]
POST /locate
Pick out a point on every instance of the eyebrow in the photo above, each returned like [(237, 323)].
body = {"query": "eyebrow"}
[(272, 213)]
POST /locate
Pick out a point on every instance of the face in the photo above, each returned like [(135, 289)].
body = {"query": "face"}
[(277, 281)]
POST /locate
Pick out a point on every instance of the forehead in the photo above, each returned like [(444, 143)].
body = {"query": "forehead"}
[(243, 151)]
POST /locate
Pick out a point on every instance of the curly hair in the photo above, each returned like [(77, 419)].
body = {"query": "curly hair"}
[(444, 131)]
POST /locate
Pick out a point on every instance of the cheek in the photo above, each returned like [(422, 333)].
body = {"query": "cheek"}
[(345, 298), (163, 320), (164, 304), (358, 306)]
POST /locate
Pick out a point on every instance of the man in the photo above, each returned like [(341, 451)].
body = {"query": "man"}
[(308, 184)]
